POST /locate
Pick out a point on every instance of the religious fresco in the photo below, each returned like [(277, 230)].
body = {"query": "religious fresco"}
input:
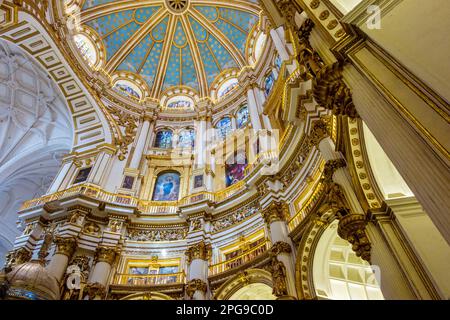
[(180, 104), (198, 181), (235, 171), (167, 187), (82, 175), (164, 139), (128, 182), (242, 117)]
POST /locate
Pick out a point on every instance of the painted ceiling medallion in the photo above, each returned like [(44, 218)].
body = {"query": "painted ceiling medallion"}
[(177, 6), (172, 44)]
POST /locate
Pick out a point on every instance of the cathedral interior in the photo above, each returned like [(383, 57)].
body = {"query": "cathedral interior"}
[(224, 150)]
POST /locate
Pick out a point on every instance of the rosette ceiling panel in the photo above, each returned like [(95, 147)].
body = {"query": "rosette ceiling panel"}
[(173, 43)]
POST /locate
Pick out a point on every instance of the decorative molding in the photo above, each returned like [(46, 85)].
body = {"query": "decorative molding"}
[(195, 285), (200, 251), (352, 228)]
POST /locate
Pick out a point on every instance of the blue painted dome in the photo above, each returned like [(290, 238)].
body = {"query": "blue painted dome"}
[(171, 43)]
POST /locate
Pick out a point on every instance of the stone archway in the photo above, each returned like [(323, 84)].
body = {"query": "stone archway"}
[(249, 284)]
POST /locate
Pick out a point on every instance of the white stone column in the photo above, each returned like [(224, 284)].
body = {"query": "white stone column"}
[(98, 279), (261, 99), (282, 249), (341, 175), (253, 109), (425, 173), (198, 256), (200, 143), (100, 169), (65, 247), (279, 41), (62, 174), (147, 127)]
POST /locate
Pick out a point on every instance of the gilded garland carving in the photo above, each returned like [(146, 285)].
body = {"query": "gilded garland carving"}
[(352, 228), (128, 122), (199, 250), (278, 271), (195, 285), (276, 211), (65, 246), (156, 235), (280, 247), (330, 91), (233, 219), (95, 290), (105, 254)]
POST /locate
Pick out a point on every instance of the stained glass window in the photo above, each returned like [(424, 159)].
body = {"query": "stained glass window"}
[(126, 90), (269, 83), (163, 139), (242, 117), (224, 127), (167, 187), (227, 87), (180, 102), (86, 48), (278, 63), (186, 138)]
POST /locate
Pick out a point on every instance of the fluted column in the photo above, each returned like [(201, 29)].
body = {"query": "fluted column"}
[(198, 256), (104, 258), (253, 109), (65, 247), (282, 265), (424, 172)]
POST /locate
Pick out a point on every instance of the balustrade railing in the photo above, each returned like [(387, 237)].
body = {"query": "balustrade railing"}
[(148, 279), (239, 260)]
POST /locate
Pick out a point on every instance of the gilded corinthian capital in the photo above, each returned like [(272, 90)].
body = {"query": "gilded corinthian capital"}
[(200, 251), (332, 93), (65, 246), (105, 254), (352, 228), (280, 247), (276, 211), (95, 290), (195, 285)]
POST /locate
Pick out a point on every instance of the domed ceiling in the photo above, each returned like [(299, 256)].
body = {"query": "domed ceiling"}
[(173, 43)]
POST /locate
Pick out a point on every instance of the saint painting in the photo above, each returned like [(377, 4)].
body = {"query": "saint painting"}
[(167, 187)]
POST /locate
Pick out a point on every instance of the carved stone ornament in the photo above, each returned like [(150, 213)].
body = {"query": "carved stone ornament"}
[(335, 200), (95, 290), (65, 246), (352, 228), (276, 211), (330, 91), (278, 271), (280, 247), (288, 10), (199, 250), (19, 256), (195, 285), (105, 254)]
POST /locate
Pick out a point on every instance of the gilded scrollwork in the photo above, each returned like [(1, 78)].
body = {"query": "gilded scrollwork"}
[(352, 228), (199, 250), (278, 271), (195, 285), (276, 211), (156, 235), (105, 254), (65, 246)]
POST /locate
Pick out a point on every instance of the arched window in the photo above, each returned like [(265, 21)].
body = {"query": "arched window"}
[(180, 102), (127, 88), (87, 49), (226, 87), (278, 62), (164, 139), (242, 117), (338, 273), (224, 127), (259, 45), (186, 138), (269, 83), (167, 187)]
